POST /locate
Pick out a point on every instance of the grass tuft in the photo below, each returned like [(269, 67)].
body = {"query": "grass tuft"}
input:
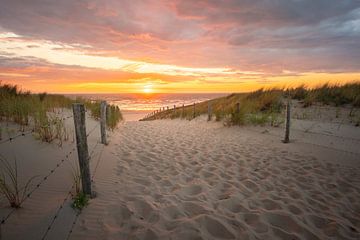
[(10, 187)]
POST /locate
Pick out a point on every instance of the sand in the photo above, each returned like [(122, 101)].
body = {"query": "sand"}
[(175, 179)]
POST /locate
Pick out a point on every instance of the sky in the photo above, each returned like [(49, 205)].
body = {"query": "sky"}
[(117, 46)]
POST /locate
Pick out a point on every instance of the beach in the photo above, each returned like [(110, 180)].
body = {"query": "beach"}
[(178, 179)]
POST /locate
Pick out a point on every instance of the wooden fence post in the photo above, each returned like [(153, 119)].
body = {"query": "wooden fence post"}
[(237, 107), (194, 113), (209, 111), (82, 147), (103, 122), (287, 127)]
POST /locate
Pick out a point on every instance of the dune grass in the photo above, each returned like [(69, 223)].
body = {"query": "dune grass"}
[(10, 185), (40, 111), (113, 113), (264, 106)]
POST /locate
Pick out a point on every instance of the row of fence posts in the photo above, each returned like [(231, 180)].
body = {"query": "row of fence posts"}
[(237, 111), (82, 146), (81, 142)]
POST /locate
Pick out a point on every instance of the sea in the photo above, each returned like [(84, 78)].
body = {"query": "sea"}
[(135, 106)]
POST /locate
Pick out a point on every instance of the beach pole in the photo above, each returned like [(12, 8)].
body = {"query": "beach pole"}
[(194, 111), (103, 122), (183, 111), (82, 147), (237, 107), (287, 127), (209, 111), (174, 108), (167, 107)]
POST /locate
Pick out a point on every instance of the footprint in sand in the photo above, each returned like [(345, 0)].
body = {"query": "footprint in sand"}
[(193, 209), (215, 228), (234, 205), (173, 212), (253, 220), (288, 224), (251, 185), (269, 204), (144, 210), (191, 190)]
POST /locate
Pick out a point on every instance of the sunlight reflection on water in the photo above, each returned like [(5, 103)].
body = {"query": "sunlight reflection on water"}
[(136, 106)]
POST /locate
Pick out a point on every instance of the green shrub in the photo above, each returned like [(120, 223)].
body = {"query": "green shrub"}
[(80, 201)]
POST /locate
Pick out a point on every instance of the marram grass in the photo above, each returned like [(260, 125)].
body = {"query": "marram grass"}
[(265, 105), (39, 111)]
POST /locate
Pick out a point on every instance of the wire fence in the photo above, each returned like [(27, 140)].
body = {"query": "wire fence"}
[(22, 134), (25, 133), (47, 176), (37, 186), (58, 212)]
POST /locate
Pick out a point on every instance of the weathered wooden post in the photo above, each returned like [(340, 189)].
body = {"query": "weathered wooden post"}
[(103, 122), (194, 114), (174, 108), (183, 111), (237, 107), (209, 111), (287, 124), (167, 107), (82, 147)]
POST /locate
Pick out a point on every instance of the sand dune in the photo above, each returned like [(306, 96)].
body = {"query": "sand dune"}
[(174, 179)]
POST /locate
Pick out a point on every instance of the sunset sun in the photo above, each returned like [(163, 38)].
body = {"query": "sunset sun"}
[(147, 89)]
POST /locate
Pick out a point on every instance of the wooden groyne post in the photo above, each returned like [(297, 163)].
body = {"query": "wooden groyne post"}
[(103, 122), (194, 113), (287, 123), (209, 111), (82, 147)]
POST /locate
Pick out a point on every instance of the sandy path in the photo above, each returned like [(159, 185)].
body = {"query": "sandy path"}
[(191, 180)]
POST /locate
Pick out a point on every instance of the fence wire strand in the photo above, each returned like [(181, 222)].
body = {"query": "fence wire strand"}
[(44, 179), (69, 193), (92, 130), (52, 171), (73, 224), (16, 136)]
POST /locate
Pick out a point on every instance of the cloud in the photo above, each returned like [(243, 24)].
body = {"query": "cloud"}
[(245, 35)]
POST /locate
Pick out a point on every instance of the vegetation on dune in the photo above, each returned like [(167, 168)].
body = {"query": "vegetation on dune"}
[(80, 201), (113, 113), (41, 111), (10, 185), (265, 105), (329, 94), (113, 116)]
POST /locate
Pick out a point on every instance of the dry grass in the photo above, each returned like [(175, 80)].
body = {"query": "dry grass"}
[(10, 185), (264, 106), (40, 111)]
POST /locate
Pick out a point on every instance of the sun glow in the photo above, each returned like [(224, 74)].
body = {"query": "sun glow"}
[(147, 88)]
